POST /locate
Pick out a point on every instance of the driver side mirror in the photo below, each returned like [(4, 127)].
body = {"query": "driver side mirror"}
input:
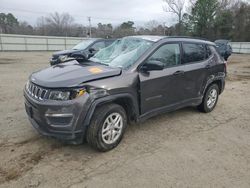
[(151, 65)]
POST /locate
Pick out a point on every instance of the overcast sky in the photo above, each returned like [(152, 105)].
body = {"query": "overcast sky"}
[(105, 11)]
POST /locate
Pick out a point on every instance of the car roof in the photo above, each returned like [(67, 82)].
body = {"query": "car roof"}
[(153, 38), (96, 39), (157, 38)]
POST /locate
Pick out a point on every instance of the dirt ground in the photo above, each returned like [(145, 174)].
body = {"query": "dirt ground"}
[(185, 148)]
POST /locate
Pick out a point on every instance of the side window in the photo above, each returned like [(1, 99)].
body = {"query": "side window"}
[(193, 52), (99, 45), (168, 54)]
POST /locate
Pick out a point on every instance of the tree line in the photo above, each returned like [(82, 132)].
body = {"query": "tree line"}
[(211, 19)]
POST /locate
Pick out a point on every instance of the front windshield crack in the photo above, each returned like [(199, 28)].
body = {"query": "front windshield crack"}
[(122, 53)]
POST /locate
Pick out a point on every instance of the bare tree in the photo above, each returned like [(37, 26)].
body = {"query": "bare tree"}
[(176, 7), (151, 24), (60, 22)]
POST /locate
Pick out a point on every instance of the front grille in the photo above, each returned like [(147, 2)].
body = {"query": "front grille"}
[(36, 91)]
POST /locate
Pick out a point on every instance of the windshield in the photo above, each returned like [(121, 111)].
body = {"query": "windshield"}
[(84, 44), (123, 52)]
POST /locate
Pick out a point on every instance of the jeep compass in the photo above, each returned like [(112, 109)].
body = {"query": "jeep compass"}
[(133, 79)]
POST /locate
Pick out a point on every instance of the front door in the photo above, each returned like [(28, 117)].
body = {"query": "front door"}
[(161, 88)]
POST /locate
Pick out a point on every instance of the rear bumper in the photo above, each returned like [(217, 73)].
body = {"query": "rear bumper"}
[(63, 120)]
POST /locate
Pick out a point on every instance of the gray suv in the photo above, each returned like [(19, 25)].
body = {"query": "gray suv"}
[(134, 79)]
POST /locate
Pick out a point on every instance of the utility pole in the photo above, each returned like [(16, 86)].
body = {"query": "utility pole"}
[(90, 34)]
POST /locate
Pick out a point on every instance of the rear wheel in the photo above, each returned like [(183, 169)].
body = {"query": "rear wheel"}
[(107, 127), (210, 99)]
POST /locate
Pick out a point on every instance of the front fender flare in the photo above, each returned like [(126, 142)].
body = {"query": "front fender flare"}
[(108, 99)]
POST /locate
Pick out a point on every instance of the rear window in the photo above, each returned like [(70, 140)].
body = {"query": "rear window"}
[(193, 52)]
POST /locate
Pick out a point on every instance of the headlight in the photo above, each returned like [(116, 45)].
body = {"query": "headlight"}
[(63, 58), (59, 95), (66, 95)]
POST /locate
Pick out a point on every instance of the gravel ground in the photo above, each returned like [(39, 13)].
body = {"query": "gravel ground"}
[(185, 148)]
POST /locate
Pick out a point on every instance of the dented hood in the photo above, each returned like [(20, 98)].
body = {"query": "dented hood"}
[(72, 74)]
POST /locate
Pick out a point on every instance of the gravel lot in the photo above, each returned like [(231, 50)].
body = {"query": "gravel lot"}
[(185, 148)]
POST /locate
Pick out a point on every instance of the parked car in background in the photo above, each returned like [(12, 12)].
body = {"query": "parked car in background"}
[(133, 79), (224, 48), (88, 47)]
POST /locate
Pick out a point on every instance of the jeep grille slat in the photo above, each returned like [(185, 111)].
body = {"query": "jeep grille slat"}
[(37, 92)]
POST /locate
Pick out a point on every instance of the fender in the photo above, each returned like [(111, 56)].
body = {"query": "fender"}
[(212, 78), (108, 99)]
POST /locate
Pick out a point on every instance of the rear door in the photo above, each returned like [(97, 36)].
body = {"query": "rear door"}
[(162, 87), (197, 61)]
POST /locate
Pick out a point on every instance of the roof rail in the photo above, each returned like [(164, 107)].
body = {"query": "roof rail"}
[(188, 37)]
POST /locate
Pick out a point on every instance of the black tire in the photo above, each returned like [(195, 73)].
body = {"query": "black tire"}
[(203, 107), (94, 132)]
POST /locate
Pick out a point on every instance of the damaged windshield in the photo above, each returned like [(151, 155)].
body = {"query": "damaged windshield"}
[(123, 52), (84, 44)]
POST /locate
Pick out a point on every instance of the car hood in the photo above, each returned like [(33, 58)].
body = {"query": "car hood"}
[(65, 52), (71, 74)]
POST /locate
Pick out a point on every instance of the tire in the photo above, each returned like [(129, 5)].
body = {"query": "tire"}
[(103, 123), (207, 106)]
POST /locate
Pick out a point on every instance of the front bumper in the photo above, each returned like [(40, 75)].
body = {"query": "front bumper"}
[(60, 119), (54, 61)]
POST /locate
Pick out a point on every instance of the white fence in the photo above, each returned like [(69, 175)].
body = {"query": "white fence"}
[(9, 42), (241, 47)]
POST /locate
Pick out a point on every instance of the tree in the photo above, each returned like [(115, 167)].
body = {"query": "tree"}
[(203, 16), (59, 24), (7, 22), (125, 29), (241, 21), (104, 30), (176, 7), (151, 24), (223, 24)]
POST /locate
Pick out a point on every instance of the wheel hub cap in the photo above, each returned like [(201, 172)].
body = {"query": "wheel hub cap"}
[(112, 128), (212, 97)]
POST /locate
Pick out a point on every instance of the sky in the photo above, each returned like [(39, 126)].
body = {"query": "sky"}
[(105, 11)]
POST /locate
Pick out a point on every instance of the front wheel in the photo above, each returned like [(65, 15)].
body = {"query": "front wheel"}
[(210, 99), (107, 127)]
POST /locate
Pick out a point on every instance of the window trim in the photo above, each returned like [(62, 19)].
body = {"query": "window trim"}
[(158, 47)]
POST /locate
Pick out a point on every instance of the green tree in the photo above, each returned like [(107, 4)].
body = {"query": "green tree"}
[(8, 22), (241, 22), (224, 24), (202, 17), (125, 29)]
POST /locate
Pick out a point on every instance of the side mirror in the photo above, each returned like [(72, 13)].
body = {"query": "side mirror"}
[(152, 65)]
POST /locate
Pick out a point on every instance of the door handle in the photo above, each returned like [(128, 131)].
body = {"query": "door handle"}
[(179, 72)]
